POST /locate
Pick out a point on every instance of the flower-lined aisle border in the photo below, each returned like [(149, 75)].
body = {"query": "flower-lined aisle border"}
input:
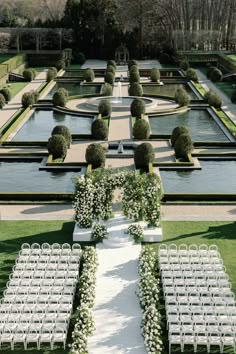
[(84, 322), (149, 298)]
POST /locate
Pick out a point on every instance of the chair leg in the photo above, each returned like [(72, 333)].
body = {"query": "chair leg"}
[(169, 348)]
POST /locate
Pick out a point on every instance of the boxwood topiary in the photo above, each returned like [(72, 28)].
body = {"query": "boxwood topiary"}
[(233, 97), (2, 101), (184, 65), (134, 77), (177, 132), (60, 64), (89, 75), (95, 155), (143, 155), (99, 129), (134, 69), (59, 99), (215, 101), (137, 108), (141, 129), (132, 62), (63, 130), (28, 74), (79, 58), (209, 71), (107, 89), (109, 77), (104, 108), (111, 69), (135, 89), (111, 62), (192, 75), (57, 146), (63, 91), (183, 146), (6, 93), (182, 98), (155, 75), (51, 74), (216, 75), (28, 99)]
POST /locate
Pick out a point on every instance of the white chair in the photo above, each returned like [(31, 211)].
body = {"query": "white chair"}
[(175, 338), (189, 338), (46, 249), (19, 337), (162, 249), (35, 248), (228, 339), (25, 249), (76, 249), (66, 249), (213, 250), (56, 249), (193, 250), (201, 338), (59, 336), (45, 337), (214, 338), (6, 337), (32, 337)]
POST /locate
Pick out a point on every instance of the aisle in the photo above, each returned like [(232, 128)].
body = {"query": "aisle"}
[(117, 312)]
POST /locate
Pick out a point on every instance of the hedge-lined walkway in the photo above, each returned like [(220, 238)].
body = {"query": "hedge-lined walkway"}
[(15, 104)]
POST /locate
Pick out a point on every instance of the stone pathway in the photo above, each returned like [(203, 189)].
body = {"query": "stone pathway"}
[(116, 311)]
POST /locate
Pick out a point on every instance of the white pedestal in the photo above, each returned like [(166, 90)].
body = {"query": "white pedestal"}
[(152, 234), (81, 235)]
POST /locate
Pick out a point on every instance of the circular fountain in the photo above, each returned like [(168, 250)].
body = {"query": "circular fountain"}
[(118, 104)]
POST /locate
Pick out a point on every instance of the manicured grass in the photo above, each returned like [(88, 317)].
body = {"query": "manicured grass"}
[(15, 87), (232, 57), (220, 233), (5, 57), (73, 66)]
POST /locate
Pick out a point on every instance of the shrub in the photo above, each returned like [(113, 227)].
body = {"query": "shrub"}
[(111, 62), (192, 75), (28, 74), (184, 65), (57, 146), (208, 94), (136, 232), (63, 91), (141, 129), (63, 130), (79, 58), (59, 99), (137, 108), (51, 74), (164, 58), (2, 101), (182, 98), (155, 75), (104, 108), (216, 75), (135, 89), (134, 69), (95, 155), (177, 132), (131, 63), (6, 93), (89, 75), (99, 233), (111, 69), (60, 64), (34, 72), (99, 129), (109, 77), (209, 71), (143, 155), (233, 97), (183, 146), (134, 77), (29, 98), (107, 89), (215, 101)]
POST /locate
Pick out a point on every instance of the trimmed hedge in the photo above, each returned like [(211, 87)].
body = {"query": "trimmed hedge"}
[(107, 89), (2, 101), (64, 131), (183, 146), (6, 93), (95, 155), (104, 108), (182, 98), (213, 99), (141, 129), (135, 89), (143, 155), (216, 75), (59, 98), (155, 75), (79, 58), (184, 65), (29, 98), (28, 74), (57, 146), (89, 75), (134, 77), (111, 62), (99, 129), (111, 69), (109, 77), (137, 108), (134, 69), (51, 74), (132, 62), (60, 64), (191, 75), (177, 132)]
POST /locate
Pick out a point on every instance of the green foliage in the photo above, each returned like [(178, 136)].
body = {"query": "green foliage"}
[(183, 146), (79, 58), (111, 69), (109, 77), (134, 77), (89, 75), (184, 65), (51, 74), (131, 63), (208, 94), (143, 155), (28, 74), (216, 75), (177, 132), (6, 93), (209, 71), (99, 129), (215, 101), (135, 89), (63, 130), (104, 108), (2, 101), (63, 91), (95, 155), (141, 129), (59, 98), (192, 75), (182, 98), (111, 62), (134, 69), (107, 89), (57, 146), (233, 97), (29, 98), (99, 233), (136, 232), (60, 64), (155, 75), (137, 108)]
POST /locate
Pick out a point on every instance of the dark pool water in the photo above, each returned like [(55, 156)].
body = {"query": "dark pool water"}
[(215, 177), (41, 123), (74, 89), (26, 177), (167, 90), (200, 123)]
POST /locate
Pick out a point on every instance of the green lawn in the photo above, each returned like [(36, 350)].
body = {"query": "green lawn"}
[(5, 57), (232, 56), (15, 87), (223, 234)]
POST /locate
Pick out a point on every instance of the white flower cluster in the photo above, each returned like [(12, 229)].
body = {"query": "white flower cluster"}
[(83, 202), (99, 232), (152, 200), (149, 301), (84, 326), (132, 202), (136, 232)]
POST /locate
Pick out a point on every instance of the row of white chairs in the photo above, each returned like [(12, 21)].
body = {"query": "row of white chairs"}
[(33, 260), (40, 290), (189, 249), (46, 248)]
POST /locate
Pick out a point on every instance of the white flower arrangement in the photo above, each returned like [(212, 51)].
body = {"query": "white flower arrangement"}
[(99, 232), (83, 202), (136, 232), (149, 301), (84, 325)]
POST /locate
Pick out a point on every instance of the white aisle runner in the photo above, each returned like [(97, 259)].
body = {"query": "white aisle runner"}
[(116, 311)]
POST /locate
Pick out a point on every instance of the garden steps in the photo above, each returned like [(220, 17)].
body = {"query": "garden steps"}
[(117, 229), (116, 311)]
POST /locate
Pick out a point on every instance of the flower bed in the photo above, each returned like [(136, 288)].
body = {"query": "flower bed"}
[(84, 325)]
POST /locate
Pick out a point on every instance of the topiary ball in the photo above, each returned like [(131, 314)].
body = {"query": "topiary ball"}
[(6, 93), (215, 101), (111, 62), (131, 63), (216, 75), (155, 75), (99, 130), (183, 146), (192, 75), (59, 99), (134, 77), (143, 155), (141, 129), (104, 108), (89, 75), (28, 75), (134, 69), (137, 108), (182, 98), (2, 101), (107, 89), (184, 65), (60, 64), (95, 155), (135, 89), (233, 97), (51, 74), (63, 130), (27, 99), (111, 68), (109, 77), (57, 146), (177, 132)]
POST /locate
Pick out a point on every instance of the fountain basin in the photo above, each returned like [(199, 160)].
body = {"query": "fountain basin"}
[(118, 103)]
